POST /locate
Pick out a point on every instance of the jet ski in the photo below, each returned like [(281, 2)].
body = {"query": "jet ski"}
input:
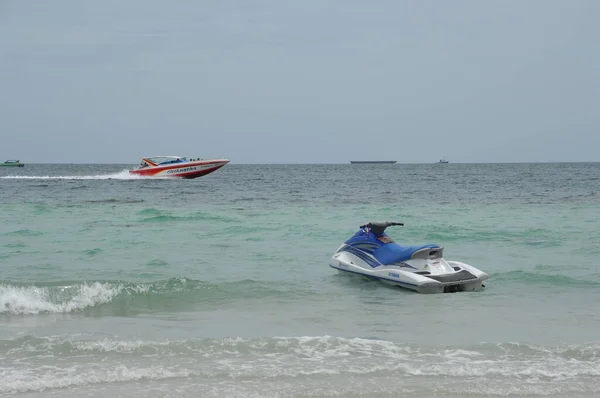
[(372, 253)]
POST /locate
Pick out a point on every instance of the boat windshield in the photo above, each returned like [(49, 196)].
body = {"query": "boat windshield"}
[(161, 160)]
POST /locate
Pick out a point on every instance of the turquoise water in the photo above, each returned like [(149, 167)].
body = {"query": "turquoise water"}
[(220, 286)]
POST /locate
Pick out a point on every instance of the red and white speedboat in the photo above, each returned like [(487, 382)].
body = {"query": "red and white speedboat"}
[(177, 166)]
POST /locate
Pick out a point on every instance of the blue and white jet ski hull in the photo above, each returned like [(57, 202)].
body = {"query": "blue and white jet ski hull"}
[(418, 268)]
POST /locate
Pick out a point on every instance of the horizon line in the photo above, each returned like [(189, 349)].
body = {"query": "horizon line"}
[(348, 163)]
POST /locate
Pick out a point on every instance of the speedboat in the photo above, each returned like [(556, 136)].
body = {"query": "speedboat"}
[(177, 166), (372, 253), (12, 163)]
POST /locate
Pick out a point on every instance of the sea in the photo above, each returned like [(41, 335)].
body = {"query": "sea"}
[(124, 286)]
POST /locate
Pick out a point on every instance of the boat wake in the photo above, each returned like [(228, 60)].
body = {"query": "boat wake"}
[(122, 175)]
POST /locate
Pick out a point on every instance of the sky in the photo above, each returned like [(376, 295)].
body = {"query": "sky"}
[(311, 81)]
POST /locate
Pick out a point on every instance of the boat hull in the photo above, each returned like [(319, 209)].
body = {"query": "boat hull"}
[(187, 170), (12, 163)]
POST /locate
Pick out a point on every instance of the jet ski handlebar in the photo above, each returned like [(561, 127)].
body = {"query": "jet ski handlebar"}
[(379, 227)]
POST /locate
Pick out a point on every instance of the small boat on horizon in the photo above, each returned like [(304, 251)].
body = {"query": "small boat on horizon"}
[(177, 167), (373, 161), (443, 161), (12, 163)]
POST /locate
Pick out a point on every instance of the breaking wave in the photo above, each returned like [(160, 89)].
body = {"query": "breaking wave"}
[(122, 298), (292, 366)]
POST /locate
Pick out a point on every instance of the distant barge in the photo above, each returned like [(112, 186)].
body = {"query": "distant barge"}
[(373, 161)]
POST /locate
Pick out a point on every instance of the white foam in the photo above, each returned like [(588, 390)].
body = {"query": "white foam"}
[(119, 346), (14, 381), (28, 300), (319, 365), (122, 175)]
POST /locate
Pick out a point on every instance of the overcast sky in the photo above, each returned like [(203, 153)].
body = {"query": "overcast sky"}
[(303, 81)]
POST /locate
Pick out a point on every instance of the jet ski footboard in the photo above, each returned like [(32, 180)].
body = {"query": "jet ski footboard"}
[(463, 275), (456, 282)]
